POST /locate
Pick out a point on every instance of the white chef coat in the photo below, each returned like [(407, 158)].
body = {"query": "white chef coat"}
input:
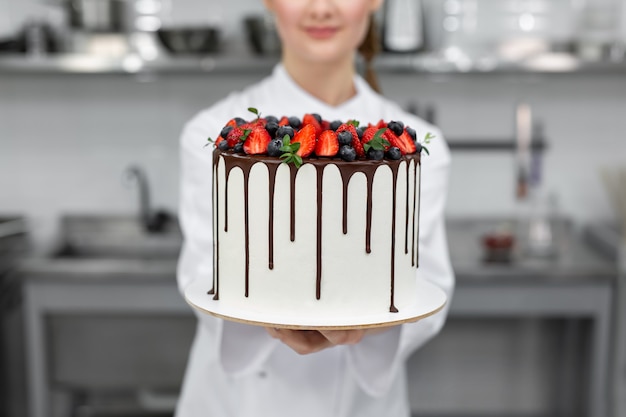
[(239, 370)]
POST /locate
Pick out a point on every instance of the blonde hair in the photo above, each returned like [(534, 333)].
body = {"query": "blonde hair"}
[(369, 48)]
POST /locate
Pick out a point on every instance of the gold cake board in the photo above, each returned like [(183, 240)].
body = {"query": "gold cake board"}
[(429, 300)]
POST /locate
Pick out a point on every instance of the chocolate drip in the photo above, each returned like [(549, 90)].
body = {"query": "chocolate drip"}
[(417, 246), (406, 216), (394, 171), (216, 237), (346, 170), (413, 242), (318, 281), (272, 180)]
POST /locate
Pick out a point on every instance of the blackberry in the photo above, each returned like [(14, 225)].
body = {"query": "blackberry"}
[(273, 148), (345, 137), (347, 153), (295, 122), (393, 153), (396, 127)]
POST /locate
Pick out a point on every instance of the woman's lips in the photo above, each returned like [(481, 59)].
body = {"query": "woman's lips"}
[(321, 32)]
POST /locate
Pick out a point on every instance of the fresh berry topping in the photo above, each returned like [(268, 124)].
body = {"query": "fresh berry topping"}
[(327, 144), (257, 141), (335, 124), (284, 121), (271, 128), (356, 143), (306, 138), (360, 130), (271, 119), (225, 131), (412, 133), (309, 119), (239, 121), (375, 154), (396, 127), (285, 130), (381, 123), (317, 116), (325, 125), (273, 148), (345, 137), (235, 136), (393, 153), (368, 135), (404, 141), (295, 122), (223, 145), (418, 147), (231, 123), (238, 148), (347, 153)]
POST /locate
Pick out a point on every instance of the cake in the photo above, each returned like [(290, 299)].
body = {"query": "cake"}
[(315, 216)]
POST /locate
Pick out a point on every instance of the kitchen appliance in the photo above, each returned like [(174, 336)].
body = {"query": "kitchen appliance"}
[(190, 40), (403, 28)]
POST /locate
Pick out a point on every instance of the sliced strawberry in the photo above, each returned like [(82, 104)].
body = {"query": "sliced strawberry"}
[(356, 143), (218, 140), (257, 141), (234, 136), (325, 125), (403, 142), (232, 122), (284, 121), (327, 144), (381, 123), (369, 134), (306, 138), (309, 119)]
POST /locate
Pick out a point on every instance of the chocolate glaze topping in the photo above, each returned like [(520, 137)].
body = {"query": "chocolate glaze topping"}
[(346, 170)]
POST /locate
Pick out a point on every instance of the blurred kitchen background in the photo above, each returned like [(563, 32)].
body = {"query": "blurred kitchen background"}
[(530, 94)]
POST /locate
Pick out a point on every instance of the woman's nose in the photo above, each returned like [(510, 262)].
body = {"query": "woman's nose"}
[(322, 8)]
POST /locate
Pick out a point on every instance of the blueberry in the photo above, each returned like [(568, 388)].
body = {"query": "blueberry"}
[(396, 127), (344, 137), (347, 153), (412, 133), (360, 130), (273, 148), (225, 131), (334, 125), (239, 121), (295, 122), (418, 147), (271, 119), (238, 148), (393, 153), (223, 145), (375, 154), (317, 116), (271, 128), (285, 130)]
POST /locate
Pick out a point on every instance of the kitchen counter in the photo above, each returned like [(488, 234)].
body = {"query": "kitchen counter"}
[(576, 285)]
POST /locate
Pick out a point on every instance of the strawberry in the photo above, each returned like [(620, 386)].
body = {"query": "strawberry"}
[(369, 134), (381, 123), (356, 143), (325, 125), (284, 121), (309, 119), (232, 122), (403, 142), (257, 141), (234, 136), (327, 144), (218, 140), (306, 138)]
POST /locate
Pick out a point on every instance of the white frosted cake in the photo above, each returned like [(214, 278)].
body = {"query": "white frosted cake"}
[(331, 231)]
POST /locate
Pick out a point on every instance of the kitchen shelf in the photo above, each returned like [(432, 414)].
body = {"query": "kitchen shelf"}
[(247, 63)]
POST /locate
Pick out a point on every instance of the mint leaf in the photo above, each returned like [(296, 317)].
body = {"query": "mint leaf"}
[(354, 123), (246, 133), (428, 137), (209, 141), (255, 111)]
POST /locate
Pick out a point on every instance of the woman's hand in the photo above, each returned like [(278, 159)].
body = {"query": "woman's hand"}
[(305, 342)]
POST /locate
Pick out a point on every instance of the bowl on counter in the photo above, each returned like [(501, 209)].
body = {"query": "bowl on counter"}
[(190, 40), (262, 35)]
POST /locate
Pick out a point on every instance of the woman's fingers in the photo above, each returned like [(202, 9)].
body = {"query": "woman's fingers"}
[(302, 342)]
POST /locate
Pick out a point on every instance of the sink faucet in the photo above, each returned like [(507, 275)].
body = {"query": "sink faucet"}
[(152, 222)]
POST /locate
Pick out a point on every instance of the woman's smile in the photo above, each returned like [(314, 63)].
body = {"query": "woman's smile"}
[(321, 32)]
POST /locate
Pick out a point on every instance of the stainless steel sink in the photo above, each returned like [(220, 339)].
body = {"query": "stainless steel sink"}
[(121, 237)]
